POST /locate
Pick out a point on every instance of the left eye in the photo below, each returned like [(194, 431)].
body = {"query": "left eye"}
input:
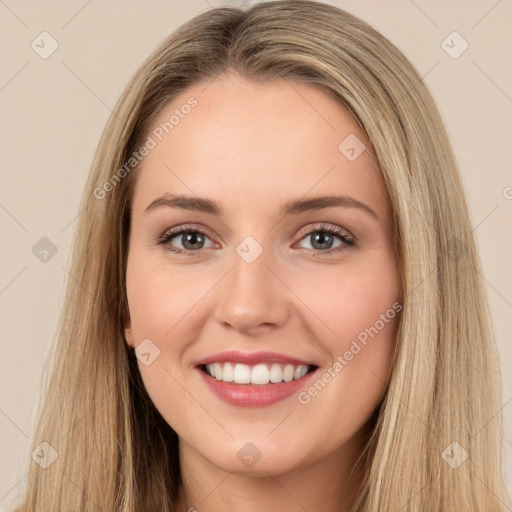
[(323, 238)]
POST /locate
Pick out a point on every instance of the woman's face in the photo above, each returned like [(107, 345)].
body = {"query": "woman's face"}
[(288, 266)]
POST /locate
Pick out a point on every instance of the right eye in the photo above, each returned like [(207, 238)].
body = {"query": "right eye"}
[(189, 235)]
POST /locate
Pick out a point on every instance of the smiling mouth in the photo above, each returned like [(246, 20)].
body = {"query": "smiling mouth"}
[(262, 374)]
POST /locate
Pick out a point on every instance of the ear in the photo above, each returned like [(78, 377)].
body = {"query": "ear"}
[(128, 333), (128, 336)]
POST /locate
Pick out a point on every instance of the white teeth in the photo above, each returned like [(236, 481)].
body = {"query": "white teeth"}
[(217, 371), (242, 374), (289, 370), (276, 374), (300, 371), (259, 374), (228, 373)]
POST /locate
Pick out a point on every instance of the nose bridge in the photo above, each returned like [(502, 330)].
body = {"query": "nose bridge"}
[(251, 294)]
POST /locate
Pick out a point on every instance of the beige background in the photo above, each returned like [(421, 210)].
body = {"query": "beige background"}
[(54, 109)]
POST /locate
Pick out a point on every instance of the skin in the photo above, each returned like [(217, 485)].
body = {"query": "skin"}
[(251, 147)]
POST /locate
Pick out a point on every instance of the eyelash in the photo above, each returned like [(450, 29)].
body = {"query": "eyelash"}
[(319, 228)]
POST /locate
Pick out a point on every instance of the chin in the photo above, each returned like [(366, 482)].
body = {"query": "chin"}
[(256, 459)]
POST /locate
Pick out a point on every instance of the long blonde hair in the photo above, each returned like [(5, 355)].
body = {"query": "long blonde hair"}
[(114, 450)]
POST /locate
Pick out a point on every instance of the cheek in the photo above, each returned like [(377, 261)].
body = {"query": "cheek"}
[(160, 304), (161, 299), (359, 308), (165, 307), (350, 301)]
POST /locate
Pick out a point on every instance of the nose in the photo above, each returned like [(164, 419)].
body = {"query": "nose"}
[(253, 298)]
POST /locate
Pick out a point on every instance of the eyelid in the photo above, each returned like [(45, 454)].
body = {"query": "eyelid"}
[(177, 230), (325, 226)]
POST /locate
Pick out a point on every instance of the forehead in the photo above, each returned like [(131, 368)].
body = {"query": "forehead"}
[(250, 145)]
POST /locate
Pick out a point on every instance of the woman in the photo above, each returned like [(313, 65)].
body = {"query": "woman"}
[(207, 359)]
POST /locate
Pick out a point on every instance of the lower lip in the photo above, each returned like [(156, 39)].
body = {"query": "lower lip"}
[(243, 395)]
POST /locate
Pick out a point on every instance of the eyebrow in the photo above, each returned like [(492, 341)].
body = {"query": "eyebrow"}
[(292, 207)]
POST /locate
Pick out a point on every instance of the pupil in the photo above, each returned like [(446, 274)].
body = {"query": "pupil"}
[(192, 238), (322, 237)]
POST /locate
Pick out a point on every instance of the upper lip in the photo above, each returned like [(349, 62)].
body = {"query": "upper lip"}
[(251, 358)]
